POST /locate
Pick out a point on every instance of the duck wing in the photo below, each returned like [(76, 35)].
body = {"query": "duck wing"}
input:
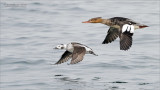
[(65, 57), (112, 34), (126, 37), (78, 54)]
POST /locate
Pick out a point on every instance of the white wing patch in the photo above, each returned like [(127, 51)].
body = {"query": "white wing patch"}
[(127, 27), (124, 28)]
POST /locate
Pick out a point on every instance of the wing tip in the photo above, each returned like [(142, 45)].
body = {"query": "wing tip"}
[(57, 63), (125, 48), (105, 42)]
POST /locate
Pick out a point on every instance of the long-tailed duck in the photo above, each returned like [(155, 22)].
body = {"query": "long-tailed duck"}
[(119, 27), (74, 50)]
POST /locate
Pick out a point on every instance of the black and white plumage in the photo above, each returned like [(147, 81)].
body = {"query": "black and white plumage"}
[(122, 28), (74, 50)]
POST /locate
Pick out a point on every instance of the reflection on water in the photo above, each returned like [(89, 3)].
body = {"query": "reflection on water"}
[(77, 83)]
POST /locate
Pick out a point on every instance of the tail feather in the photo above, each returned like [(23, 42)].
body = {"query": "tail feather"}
[(91, 52), (95, 54)]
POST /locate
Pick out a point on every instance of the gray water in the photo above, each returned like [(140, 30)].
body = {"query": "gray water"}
[(31, 29)]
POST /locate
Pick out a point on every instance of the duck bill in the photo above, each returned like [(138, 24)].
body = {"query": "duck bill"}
[(86, 22), (55, 48)]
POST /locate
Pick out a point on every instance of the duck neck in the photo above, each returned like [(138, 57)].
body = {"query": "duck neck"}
[(65, 46), (106, 22)]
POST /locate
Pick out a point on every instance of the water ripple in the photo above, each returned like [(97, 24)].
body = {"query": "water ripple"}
[(29, 62)]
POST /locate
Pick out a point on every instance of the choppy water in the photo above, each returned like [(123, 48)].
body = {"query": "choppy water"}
[(30, 30)]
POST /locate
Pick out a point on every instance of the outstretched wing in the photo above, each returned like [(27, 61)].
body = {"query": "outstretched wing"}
[(126, 36), (111, 35), (78, 54), (125, 40), (65, 57)]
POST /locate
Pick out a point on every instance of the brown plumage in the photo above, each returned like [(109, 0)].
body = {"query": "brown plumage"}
[(119, 27), (78, 56)]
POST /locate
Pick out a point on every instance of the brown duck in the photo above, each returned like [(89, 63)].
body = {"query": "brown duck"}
[(119, 27)]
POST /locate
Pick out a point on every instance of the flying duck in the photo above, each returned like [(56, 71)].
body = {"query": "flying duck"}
[(119, 27), (74, 50)]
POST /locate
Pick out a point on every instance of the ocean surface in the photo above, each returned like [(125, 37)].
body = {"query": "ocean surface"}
[(30, 29)]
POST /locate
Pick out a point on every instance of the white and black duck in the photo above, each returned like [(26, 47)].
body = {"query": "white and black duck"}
[(74, 50)]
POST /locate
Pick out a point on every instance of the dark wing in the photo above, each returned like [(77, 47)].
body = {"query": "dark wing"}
[(125, 40), (111, 35), (78, 54), (65, 57)]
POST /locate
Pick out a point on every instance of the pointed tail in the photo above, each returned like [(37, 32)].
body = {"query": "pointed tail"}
[(94, 54)]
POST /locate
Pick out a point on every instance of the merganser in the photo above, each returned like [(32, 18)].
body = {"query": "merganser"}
[(74, 50), (119, 27)]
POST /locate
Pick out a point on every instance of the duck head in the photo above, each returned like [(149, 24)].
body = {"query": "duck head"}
[(94, 20), (62, 46)]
